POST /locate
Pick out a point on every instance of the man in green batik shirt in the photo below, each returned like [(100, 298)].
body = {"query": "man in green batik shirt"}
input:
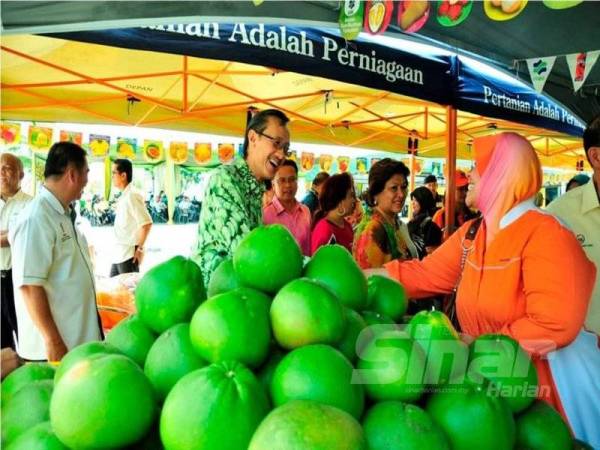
[(232, 205)]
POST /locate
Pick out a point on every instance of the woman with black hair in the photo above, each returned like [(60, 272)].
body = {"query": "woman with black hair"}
[(424, 233), (382, 236), (336, 202)]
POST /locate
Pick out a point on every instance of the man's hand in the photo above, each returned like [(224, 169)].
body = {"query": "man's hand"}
[(55, 350), (10, 361), (4, 239), (138, 255)]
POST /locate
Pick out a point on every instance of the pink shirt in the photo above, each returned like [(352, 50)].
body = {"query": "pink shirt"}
[(326, 233), (297, 221)]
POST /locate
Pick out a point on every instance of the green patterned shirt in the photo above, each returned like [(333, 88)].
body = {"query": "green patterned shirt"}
[(232, 207)]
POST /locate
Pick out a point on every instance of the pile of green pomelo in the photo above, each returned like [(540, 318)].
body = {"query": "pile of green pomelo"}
[(283, 354)]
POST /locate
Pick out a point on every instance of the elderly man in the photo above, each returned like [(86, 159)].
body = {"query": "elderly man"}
[(580, 209), (285, 209), (232, 205), (12, 202), (52, 273)]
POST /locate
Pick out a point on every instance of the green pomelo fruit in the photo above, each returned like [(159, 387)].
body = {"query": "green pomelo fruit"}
[(103, 401), (501, 360), (132, 338), (334, 266), (540, 427), (447, 356), (472, 419), (265, 373), (396, 425), (28, 407), (169, 293), (223, 279), (319, 373), (392, 367), (233, 326), (375, 318), (24, 375), (308, 425), (268, 258), (305, 312), (387, 297), (216, 407), (81, 352), (355, 324), (170, 358), (40, 437)]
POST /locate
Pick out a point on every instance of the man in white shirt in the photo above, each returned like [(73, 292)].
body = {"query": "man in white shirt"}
[(12, 202), (55, 297), (132, 221)]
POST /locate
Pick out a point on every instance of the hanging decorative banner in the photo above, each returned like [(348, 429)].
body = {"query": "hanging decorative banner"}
[(257, 2), (501, 10), (308, 161), (361, 165), (126, 147), (293, 156), (178, 152), (453, 12), (99, 145), (71, 136), (226, 153), (325, 162), (343, 163), (561, 4), (580, 66), (539, 69), (10, 133), (412, 15), (40, 138), (202, 152), (378, 14), (351, 18), (153, 150)]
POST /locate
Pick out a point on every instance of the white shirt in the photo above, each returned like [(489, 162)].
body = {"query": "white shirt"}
[(49, 251), (130, 215), (9, 211)]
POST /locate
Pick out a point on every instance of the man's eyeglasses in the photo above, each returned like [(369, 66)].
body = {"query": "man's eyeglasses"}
[(283, 146), (289, 180)]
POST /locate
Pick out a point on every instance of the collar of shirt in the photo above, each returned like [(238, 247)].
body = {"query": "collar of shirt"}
[(54, 202), (517, 211), (280, 209), (249, 181), (17, 196), (589, 198)]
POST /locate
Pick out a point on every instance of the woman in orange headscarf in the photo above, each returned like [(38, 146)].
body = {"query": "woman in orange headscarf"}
[(524, 276)]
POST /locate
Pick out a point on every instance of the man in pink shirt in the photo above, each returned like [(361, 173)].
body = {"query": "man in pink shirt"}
[(285, 209)]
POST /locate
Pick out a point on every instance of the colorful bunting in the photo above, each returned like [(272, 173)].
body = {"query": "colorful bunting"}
[(40, 138), (153, 150), (351, 18), (343, 163), (325, 162), (580, 66), (203, 152), (361, 165), (308, 161), (453, 12), (99, 145), (71, 136), (226, 153), (126, 147), (412, 15), (539, 69), (10, 133), (378, 14), (178, 152)]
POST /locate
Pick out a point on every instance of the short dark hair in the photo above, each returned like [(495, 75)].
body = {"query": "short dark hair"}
[(430, 179), (290, 163), (591, 135), (124, 165), (61, 155), (320, 179), (259, 123), (334, 190), (380, 173), (268, 185)]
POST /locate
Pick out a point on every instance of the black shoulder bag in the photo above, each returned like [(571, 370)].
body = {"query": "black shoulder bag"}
[(467, 244)]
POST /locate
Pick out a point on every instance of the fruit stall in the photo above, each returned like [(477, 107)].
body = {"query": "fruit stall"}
[(276, 354)]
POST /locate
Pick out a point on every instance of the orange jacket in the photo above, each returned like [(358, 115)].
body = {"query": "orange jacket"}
[(534, 284)]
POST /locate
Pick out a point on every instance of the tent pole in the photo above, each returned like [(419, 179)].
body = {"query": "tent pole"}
[(450, 170), (411, 187)]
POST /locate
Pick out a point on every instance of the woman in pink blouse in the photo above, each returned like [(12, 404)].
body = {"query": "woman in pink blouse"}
[(336, 202)]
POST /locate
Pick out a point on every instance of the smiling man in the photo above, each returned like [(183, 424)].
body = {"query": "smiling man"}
[(285, 209), (232, 205)]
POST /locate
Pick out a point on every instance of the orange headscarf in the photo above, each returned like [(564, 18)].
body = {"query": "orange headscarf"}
[(510, 173)]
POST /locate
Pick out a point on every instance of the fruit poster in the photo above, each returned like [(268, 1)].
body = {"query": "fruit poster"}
[(361, 165), (178, 152), (453, 12), (351, 18), (501, 10), (71, 136), (40, 138), (325, 162), (293, 156), (126, 147), (153, 150), (99, 145), (308, 161), (343, 163), (203, 152), (412, 15), (226, 153), (378, 14), (10, 133)]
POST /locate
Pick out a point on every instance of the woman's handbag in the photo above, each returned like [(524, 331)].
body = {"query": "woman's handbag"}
[(467, 244)]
